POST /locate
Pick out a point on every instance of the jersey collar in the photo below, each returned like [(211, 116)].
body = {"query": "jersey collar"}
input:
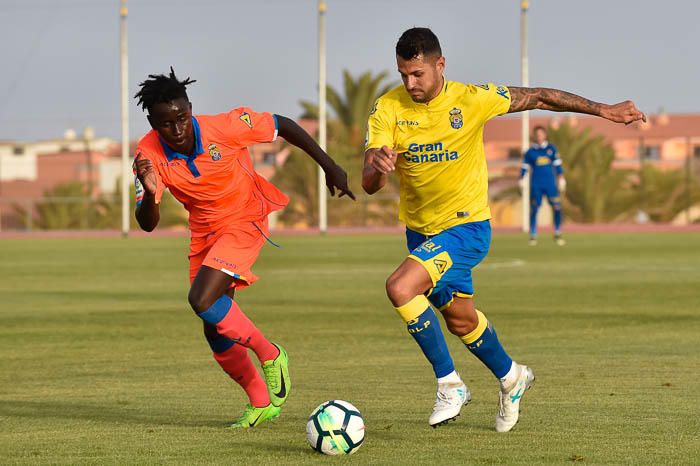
[(438, 98), (441, 96), (170, 154)]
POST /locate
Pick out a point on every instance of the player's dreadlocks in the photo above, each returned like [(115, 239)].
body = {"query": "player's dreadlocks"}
[(159, 88), (418, 41)]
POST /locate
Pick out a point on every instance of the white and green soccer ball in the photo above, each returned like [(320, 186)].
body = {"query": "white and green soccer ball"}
[(336, 427)]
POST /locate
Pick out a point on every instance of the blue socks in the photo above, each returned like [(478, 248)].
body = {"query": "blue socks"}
[(533, 219), (424, 327), (557, 217), (483, 343)]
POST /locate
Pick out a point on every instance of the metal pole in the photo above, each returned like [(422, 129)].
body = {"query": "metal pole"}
[(126, 168), (322, 200), (1, 158), (88, 135), (525, 120), (688, 180)]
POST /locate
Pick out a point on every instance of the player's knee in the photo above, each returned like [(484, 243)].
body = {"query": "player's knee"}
[(397, 291), (461, 320), (460, 328), (199, 301)]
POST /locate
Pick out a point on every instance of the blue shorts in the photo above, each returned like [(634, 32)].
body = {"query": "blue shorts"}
[(538, 191), (449, 258)]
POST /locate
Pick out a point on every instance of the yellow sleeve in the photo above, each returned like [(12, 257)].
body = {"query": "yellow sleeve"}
[(494, 100), (380, 126)]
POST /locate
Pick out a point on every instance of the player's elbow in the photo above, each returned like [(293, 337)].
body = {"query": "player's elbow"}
[(145, 223), (146, 227)]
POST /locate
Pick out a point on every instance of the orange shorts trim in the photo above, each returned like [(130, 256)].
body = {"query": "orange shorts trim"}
[(233, 251)]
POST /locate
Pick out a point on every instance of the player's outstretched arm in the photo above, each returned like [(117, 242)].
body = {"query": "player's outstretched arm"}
[(148, 211), (378, 164), (555, 100), (336, 177)]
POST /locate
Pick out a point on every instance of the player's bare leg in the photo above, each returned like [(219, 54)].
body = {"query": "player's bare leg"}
[(405, 288), (471, 326), (409, 280), (230, 333)]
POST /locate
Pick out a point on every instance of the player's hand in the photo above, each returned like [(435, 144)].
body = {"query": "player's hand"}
[(336, 178), (383, 160), (146, 174), (561, 182), (624, 112)]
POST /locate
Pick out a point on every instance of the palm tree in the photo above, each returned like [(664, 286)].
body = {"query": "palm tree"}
[(667, 193), (346, 131), (351, 108), (595, 192)]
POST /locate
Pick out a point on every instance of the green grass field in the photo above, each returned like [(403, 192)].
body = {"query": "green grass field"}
[(103, 362)]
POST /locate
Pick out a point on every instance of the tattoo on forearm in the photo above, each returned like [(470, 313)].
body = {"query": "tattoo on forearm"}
[(540, 98)]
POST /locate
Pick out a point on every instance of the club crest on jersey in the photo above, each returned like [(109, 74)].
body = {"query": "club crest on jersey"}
[(456, 118), (245, 118), (214, 152)]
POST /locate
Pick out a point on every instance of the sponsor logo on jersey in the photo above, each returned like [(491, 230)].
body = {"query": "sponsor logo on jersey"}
[(456, 118), (245, 118), (435, 152), (407, 123)]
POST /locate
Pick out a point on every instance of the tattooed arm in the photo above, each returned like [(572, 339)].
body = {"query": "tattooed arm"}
[(541, 98)]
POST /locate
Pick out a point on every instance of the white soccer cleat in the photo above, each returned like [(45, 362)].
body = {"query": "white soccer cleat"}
[(509, 403), (450, 399)]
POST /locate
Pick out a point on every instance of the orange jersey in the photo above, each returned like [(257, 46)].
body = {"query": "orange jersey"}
[(217, 184)]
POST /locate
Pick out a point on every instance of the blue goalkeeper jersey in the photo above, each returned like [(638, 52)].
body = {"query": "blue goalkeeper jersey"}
[(544, 164)]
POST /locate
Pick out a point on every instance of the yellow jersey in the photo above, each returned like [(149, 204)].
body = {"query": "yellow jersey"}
[(441, 164)]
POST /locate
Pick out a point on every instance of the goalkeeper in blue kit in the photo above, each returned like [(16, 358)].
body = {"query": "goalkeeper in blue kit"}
[(546, 179)]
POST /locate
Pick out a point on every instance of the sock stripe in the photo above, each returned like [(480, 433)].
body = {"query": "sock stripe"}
[(220, 344), (414, 308), (475, 334), (217, 311)]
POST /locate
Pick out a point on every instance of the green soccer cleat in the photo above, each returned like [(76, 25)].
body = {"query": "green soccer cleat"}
[(253, 417), (277, 377)]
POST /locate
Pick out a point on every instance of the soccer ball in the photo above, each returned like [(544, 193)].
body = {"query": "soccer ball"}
[(336, 427)]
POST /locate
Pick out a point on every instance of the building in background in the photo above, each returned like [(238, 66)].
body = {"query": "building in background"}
[(663, 140), (28, 170)]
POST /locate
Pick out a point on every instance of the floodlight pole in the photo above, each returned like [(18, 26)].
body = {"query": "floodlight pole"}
[(322, 200), (525, 121), (124, 65)]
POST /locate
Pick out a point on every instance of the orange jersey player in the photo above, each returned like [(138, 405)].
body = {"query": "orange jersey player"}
[(204, 162)]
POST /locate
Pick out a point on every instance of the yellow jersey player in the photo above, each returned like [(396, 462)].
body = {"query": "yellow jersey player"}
[(430, 132)]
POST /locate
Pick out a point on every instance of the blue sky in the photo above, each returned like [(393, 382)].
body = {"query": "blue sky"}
[(61, 63)]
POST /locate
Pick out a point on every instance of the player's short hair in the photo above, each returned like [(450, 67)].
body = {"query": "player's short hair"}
[(539, 127), (159, 88), (418, 41)]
